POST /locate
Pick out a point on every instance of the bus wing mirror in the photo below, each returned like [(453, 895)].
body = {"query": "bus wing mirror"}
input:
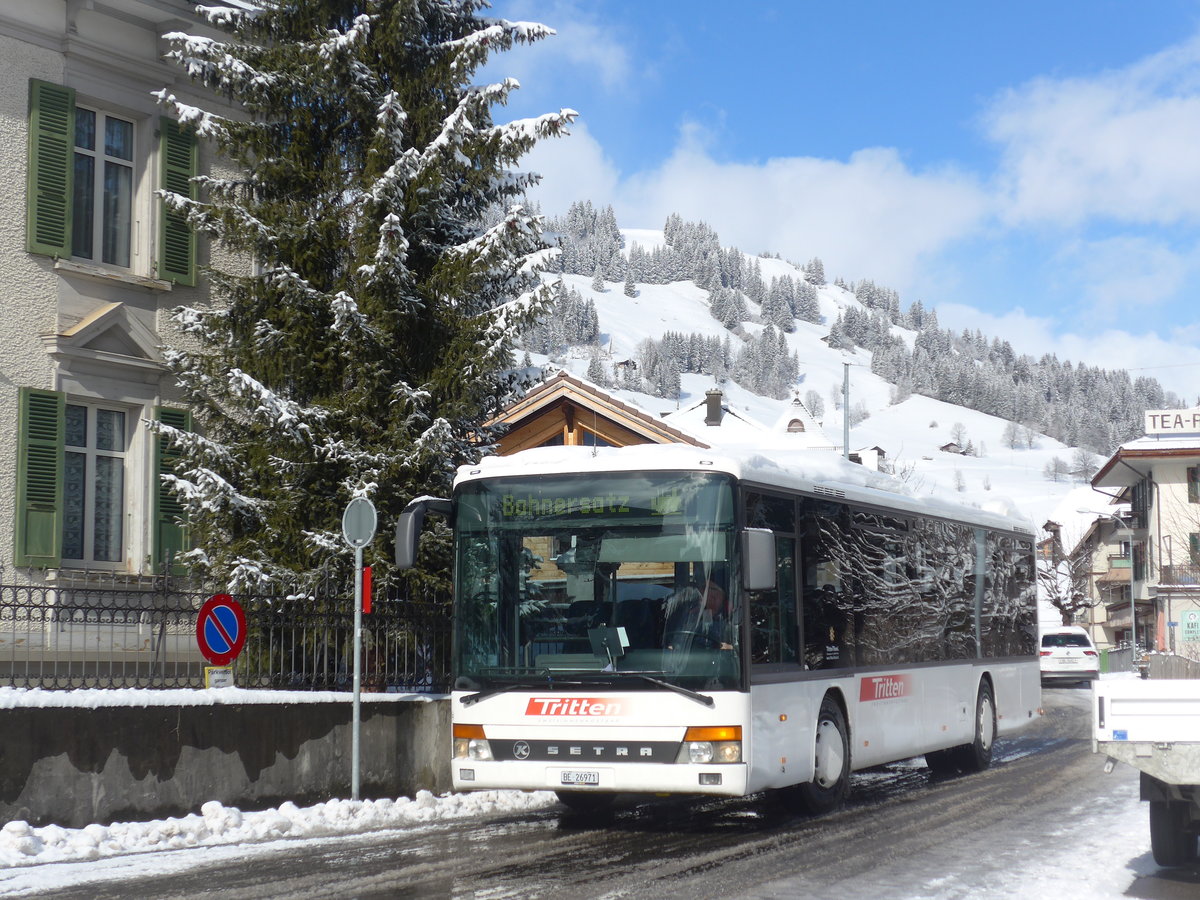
[(758, 559), (408, 529)]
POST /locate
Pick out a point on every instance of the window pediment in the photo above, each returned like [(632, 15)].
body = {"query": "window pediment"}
[(109, 334)]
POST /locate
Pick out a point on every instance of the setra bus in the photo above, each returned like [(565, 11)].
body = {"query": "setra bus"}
[(669, 619)]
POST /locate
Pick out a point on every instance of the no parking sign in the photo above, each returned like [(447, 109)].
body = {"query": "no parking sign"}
[(221, 629)]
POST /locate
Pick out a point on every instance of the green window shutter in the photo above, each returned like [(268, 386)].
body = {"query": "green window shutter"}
[(170, 518), (51, 166), (39, 478), (1193, 483), (176, 240), (1194, 547)]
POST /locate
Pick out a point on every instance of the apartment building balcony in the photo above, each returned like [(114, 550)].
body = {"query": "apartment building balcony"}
[(1180, 575), (1118, 571)]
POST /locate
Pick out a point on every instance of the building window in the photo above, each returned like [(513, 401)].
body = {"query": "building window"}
[(78, 494), (1193, 483), (85, 191), (795, 426), (102, 201), (95, 441)]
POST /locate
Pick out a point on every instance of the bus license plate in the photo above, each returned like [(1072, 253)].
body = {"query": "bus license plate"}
[(580, 778)]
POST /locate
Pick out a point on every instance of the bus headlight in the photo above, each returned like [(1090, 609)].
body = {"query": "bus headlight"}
[(713, 744), (470, 743)]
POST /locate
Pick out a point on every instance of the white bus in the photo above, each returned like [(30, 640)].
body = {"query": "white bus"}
[(667, 619)]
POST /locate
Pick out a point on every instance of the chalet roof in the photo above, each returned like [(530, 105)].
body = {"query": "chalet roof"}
[(567, 388)]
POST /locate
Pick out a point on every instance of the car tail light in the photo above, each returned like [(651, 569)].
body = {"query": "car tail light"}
[(1045, 653), (1090, 653)]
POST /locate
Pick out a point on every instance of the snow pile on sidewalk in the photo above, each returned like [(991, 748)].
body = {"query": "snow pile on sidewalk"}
[(22, 844)]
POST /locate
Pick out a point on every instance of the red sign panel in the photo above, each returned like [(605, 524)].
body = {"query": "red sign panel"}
[(585, 707), (221, 629), (884, 687)]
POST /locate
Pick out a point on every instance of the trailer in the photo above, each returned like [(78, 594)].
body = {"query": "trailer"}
[(1154, 726)]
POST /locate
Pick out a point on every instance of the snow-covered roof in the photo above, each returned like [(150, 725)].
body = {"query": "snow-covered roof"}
[(812, 471), (1144, 449), (737, 428)]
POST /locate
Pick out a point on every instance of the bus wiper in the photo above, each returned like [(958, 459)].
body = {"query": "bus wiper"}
[(471, 699), (687, 692)]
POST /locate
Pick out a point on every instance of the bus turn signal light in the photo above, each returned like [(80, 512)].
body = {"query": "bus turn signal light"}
[(714, 733)]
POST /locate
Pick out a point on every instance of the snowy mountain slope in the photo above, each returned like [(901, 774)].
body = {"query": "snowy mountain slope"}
[(911, 432)]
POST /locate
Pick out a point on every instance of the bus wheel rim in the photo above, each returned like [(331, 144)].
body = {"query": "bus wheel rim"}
[(830, 754)]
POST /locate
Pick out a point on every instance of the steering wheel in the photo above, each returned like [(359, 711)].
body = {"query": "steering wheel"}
[(707, 641)]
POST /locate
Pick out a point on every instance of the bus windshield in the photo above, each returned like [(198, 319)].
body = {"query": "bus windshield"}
[(625, 580)]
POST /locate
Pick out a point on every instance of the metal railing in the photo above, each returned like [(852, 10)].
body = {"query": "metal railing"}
[(1180, 575), (141, 633)]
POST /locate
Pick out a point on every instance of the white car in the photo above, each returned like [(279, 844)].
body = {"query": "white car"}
[(1068, 654)]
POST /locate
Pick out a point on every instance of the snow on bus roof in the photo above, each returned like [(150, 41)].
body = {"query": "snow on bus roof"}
[(814, 471)]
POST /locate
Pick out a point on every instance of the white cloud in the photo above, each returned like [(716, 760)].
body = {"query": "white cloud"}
[(1115, 273), (573, 168), (581, 44), (1120, 145), (868, 217)]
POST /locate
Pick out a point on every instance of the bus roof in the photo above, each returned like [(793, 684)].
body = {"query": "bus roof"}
[(816, 472)]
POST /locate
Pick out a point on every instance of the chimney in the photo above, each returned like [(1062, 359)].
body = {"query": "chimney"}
[(712, 414)]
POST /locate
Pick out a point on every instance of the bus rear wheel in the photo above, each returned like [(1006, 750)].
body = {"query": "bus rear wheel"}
[(831, 772), (977, 755)]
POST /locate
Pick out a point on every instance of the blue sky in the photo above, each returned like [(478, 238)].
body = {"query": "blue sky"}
[(1029, 168)]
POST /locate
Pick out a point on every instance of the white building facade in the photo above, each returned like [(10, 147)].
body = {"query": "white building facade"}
[(1158, 475), (91, 265)]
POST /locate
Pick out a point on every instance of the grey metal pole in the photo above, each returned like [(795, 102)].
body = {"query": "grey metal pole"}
[(846, 410), (356, 727), (1132, 601)]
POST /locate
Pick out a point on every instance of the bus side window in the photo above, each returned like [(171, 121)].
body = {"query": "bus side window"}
[(773, 626), (826, 604)]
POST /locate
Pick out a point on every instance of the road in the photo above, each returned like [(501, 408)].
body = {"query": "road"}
[(904, 833)]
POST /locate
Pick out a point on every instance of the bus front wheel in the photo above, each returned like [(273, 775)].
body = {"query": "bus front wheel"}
[(831, 772)]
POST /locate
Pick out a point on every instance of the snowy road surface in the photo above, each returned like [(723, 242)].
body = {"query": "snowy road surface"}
[(1044, 822)]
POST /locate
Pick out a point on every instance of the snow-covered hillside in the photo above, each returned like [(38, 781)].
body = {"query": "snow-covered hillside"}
[(911, 432)]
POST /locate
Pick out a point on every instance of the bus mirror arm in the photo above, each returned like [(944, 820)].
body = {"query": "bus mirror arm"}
[(758, 559), (408, 528)]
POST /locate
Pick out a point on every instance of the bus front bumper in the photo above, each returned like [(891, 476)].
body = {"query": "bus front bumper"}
[(727, 780)]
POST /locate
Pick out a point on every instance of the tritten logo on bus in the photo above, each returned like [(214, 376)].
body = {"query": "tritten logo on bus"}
[(885, 687), (575, 706)]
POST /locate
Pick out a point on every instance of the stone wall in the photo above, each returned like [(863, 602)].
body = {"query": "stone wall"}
[(75, 766)]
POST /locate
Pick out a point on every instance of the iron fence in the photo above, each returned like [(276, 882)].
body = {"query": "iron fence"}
[(141, 633)]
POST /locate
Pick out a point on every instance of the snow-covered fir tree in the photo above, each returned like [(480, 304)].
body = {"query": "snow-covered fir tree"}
[(362, 334)]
